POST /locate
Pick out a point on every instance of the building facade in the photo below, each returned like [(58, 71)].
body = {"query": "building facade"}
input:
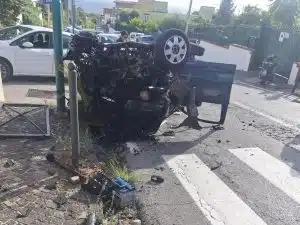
[(148, 9)]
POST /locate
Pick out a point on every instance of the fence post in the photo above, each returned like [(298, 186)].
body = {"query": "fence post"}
[(58, 52), (2, 99), (74, 120)]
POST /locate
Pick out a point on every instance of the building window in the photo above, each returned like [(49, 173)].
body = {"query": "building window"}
[(146, 17)]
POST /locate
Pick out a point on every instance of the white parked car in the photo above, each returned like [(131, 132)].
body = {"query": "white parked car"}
[(134, 36), (28, 51)]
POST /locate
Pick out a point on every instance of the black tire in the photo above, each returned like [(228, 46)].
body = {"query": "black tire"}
[(6, 70), (179, 50)]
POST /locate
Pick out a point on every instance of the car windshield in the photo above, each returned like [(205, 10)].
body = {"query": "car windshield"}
[(12, 32), (147, 39)]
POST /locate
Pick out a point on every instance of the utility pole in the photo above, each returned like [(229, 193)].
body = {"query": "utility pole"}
[(73, 15), (188, 17), (58, 52)]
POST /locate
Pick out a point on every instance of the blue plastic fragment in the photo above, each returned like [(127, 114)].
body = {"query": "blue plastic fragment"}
[(125, 186)]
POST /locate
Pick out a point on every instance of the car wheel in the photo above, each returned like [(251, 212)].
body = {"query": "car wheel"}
[(172, 49), (6, 70)]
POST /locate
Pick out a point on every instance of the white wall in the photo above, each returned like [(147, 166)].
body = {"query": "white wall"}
[(233, 54), (293, 74)]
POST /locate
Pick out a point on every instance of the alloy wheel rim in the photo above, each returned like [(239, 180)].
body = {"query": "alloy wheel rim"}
[(175, 49)]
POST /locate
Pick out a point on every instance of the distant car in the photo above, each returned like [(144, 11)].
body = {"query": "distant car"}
[(70, 30), (108, 38), (134, 36), (92, 31), (145, 39), (117, 32), (28, 51)]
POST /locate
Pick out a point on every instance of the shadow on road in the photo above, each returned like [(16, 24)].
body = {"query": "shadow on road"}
[(291, 155), (274, 91), (151, 154)]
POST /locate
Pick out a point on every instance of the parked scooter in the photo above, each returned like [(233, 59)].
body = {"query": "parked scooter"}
[(266, 73)]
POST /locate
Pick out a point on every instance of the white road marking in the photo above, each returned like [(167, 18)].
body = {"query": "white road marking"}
[(276, 120), (275, 171), (219, 204)]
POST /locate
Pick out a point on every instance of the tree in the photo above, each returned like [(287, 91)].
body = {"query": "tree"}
[(85, 20), (284, 12), (126, 16), (251, 15), (137, 23), (175, 21), (198, 20), (9, 11), (151, 26), (31, 14), (225, 13)]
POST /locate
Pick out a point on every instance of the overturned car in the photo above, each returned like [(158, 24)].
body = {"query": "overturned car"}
[(133, 86)]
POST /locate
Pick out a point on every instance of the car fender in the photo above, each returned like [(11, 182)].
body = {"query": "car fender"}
[(8, 55)]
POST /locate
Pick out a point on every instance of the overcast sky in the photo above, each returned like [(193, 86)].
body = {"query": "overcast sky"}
[(182, 5)]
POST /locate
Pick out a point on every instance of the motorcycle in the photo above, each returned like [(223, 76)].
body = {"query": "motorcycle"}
[(267, 69)]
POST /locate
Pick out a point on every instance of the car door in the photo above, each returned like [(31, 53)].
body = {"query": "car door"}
[(39, 59)]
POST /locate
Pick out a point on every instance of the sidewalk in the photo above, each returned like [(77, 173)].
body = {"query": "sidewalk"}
[(35, 191)]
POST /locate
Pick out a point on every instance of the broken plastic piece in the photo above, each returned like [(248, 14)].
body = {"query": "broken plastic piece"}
[(157, 179)]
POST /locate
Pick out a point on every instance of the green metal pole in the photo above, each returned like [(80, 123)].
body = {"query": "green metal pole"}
[(58, 52)]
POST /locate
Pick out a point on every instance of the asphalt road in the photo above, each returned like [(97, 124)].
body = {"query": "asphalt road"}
[(247, 173)]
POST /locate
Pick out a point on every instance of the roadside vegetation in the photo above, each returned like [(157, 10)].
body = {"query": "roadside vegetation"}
[(280, 13)]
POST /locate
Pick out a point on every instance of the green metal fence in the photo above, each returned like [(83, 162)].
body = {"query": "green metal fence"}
[(224, 35), (287, 50), (267, 41)]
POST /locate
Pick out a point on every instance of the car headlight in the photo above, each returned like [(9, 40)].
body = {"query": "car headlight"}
[(145, 95)]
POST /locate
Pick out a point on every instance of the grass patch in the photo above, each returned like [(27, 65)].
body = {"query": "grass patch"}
[(113, 169)]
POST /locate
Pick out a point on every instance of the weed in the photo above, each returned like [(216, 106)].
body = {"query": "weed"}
[(113, 169)]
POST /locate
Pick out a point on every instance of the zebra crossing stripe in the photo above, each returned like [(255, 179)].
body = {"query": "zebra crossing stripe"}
[(272, 169), (219, 204)]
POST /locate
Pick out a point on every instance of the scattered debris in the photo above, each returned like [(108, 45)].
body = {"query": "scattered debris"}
[(75, 180), (217, 166), (219, 141), (91, 220), (217, 127), (136, 222), (51, 172), (4, 188), (133, 148), (169, 134), (60, 200), (120, 191), (24, 214), (9, 163), (51, 187), (51, 157), (161, 168), (157, 179)]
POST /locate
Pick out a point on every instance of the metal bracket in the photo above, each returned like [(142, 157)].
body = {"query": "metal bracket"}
[(43, 133)]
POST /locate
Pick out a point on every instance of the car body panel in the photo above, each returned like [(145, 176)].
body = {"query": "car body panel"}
[(213, 82), (30, 61)]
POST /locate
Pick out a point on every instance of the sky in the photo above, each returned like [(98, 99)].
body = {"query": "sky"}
[(182, 5)]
